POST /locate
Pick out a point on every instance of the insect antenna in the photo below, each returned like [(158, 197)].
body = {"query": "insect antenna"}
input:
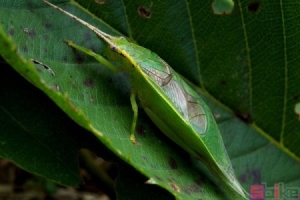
[(107, 38)]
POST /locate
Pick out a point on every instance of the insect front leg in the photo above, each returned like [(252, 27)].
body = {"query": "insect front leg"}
[(135, 114), (98, 57)]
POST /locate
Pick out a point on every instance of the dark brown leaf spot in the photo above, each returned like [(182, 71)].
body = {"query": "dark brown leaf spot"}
[(78, 57), (140, 130), (246, 117), (87, 36), (11, 32), (175, 187), (144, 158), (89, 83), (30, 33), (252, 176), (172, 163), (223, 82), (199, 181), (48, 26), (25, 49), (143, 12), (254, 6), (297, 97)]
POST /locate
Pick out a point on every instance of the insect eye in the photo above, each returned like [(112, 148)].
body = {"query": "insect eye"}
[(114, 48)]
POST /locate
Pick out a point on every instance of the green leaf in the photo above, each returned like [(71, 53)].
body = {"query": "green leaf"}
[(235, 59)]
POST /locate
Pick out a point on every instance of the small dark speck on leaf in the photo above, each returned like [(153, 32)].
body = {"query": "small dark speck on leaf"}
[(93, 48), (25, 49), (297, 97), (143, 12), (246, 117), (172, 163), (199, 181), (31, 33), (223, 82), (250, 176), (89, 83), (11, 32), (140, 130), (87, 36), (78, 57), (144, 158), (253, 6), (48, 26)]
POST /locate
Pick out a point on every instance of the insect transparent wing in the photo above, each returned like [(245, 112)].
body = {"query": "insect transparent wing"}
[(194, 112), (184, 99)]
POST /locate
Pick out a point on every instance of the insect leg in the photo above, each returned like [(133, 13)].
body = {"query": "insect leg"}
[(135, 114), (98, 57)]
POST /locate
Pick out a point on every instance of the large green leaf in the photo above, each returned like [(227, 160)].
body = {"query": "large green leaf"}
[(234, 58)]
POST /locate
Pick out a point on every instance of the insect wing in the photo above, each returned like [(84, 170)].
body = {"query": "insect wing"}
[(179, 93)]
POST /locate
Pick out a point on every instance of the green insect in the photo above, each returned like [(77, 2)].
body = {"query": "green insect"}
[(176, 109)]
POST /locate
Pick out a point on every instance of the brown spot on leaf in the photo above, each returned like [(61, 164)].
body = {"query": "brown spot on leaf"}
[(11, 31), (144, 12), (223, 82), (254, 6), (30, 33), (87, 36), (25, 49), (140, 130), (246, 117), (78, 57), (172, 163), (252, 176), (297, 97), (175, 187), (48, 26), (199, 181), (89, 83)]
